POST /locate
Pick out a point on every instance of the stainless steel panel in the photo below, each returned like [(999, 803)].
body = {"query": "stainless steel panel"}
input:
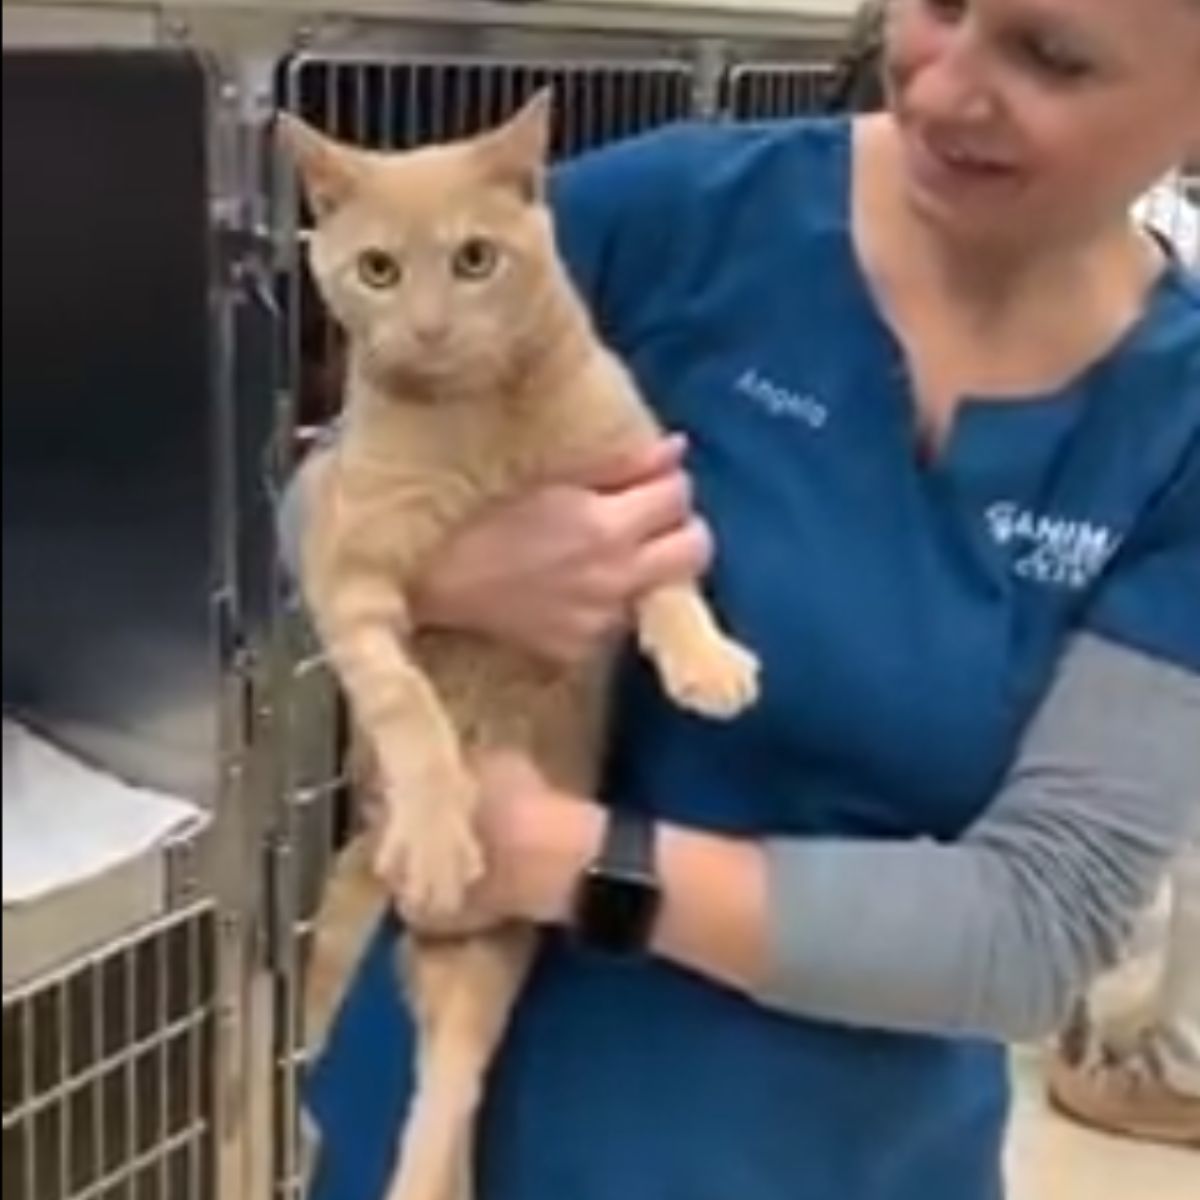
[(107, 418)]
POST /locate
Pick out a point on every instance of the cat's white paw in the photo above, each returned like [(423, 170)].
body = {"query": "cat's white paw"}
[(429, 856), (715, 676)]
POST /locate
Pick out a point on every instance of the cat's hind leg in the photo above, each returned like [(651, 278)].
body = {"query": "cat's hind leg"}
[(462, 993)]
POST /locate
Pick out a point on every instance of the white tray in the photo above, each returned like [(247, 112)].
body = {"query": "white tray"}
[(85, 854)]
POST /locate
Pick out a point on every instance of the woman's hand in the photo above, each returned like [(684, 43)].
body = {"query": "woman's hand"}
[(538, 841), (555, 571)]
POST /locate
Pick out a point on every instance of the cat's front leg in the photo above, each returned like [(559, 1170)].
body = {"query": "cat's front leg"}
[(701, 668), (427, 850)]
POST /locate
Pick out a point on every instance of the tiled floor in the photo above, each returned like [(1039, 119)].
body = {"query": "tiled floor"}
[(1053, 1159)]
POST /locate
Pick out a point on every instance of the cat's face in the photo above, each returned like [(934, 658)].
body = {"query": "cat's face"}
[(438, 262)]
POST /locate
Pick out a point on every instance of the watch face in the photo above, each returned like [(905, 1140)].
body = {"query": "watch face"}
[(615, 913)]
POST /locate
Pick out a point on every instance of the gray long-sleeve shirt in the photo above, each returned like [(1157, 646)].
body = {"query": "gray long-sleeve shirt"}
[(996, 934)]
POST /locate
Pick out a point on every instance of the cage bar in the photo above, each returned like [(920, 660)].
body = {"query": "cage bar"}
[(107, 1064), (764, 90)]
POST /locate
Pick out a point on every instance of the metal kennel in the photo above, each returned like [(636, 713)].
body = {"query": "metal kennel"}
[(108, 1079), (125, 986), (171, 366)]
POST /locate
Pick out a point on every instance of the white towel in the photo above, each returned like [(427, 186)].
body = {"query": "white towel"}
[(66, 821)]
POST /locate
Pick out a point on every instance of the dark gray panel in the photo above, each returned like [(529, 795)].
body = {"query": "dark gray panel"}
[(107, 411)]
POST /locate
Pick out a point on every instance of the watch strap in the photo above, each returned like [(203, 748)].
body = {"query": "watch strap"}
[(628, 848), (619, 895)]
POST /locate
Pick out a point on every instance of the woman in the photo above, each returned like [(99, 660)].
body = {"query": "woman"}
[(943, 407)]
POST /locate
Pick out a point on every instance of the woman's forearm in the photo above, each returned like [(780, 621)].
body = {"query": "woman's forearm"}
[(997, 934), (991, 936), (715, 917)]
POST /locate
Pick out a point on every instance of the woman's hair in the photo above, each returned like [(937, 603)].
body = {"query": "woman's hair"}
[(858, 77), (858, 84)]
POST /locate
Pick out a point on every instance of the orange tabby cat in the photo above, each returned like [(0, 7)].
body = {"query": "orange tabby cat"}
[(472, 371)]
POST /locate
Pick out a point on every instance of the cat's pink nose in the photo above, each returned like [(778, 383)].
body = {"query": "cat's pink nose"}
[(431, 334)]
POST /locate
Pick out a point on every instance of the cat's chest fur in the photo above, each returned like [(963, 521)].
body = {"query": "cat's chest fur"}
[(407, 476)]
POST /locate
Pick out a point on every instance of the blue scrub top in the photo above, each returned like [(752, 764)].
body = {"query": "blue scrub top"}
[(908, 616)]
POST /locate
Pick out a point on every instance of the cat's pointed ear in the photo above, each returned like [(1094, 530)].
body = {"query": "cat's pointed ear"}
[(516, 152), (327, 169)]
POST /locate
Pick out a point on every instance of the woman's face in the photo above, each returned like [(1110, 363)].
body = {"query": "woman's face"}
[(1027, 117)]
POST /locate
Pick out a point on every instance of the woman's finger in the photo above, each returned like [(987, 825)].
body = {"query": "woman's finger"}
[(680, 556), (647, 510), (629, 466)]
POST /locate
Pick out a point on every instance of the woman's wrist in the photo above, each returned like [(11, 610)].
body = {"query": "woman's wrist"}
[(541, 840), (714, 913), (714, 917), (554, 856)]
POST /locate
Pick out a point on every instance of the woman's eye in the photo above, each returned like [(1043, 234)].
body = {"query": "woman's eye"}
[(476, 258), (1053, 59), (378, 269), (947, 10)]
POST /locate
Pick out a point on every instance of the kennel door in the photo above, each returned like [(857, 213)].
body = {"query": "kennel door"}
[(107, 426)]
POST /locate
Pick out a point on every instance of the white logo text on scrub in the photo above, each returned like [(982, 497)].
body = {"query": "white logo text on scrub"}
[(1052, 549)]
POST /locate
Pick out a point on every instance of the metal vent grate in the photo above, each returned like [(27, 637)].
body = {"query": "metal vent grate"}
[(766, 90), (108, 1073), (402, 104)]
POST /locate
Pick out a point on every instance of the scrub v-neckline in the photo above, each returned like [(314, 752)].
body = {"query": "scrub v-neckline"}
[(928, 456)]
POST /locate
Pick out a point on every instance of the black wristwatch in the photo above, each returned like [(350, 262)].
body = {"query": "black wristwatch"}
[(619, 895)]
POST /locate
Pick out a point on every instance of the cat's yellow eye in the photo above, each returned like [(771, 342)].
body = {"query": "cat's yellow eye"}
[(476, 258), (378, 269)]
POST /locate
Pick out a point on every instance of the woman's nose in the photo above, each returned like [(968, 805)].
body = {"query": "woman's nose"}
[(953, 83)]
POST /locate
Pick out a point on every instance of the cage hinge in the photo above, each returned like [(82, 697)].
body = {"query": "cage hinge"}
[(183, 875), (246, 253), (277, 930), (237, 667)]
